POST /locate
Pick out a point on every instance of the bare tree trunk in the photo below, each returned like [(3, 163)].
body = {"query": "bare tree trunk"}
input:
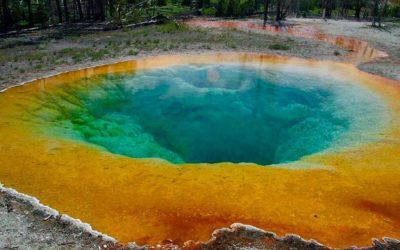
[(59, 11), (358, 9), (278, 10), (89, 9), (74, 10), (66, 11), (111, 7), (80, 12), (266, 7), (100, 7), (30, 15), (375, 12), (7, 18), (48, 8), (342, 8)]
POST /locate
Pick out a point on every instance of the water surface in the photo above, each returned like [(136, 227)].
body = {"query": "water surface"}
[(213, 113)]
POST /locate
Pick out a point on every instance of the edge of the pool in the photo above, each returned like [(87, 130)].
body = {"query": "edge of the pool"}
[(220, 237), (189, 54)]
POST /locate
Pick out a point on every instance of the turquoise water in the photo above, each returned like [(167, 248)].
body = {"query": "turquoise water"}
[(213, 113)]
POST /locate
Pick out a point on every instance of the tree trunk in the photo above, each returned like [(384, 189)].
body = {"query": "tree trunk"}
[(278, 10), (358, 9), (7, 18), (266, 7), (66, 11), (79, 5), (59, 11), (375, 12), (342, 8), (89, 9), (100, 7), (111, 7), (48, 8), (381, 12), (30, 15), (323, 7)]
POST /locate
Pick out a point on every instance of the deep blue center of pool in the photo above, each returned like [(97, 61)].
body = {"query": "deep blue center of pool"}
[(211, 113)]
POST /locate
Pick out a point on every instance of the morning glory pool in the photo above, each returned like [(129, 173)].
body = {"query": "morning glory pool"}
[(176, 146), (213, 113)]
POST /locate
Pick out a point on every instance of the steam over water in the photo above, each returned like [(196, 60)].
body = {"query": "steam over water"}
[(213, 113)]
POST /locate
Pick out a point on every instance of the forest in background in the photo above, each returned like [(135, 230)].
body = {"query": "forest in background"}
[(21, 14)]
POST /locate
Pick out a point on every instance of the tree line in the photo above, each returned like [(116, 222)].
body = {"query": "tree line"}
[(17, 14), (358, 9)]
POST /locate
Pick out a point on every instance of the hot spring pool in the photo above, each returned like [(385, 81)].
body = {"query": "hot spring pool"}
[(175, 147), (213, 113)]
